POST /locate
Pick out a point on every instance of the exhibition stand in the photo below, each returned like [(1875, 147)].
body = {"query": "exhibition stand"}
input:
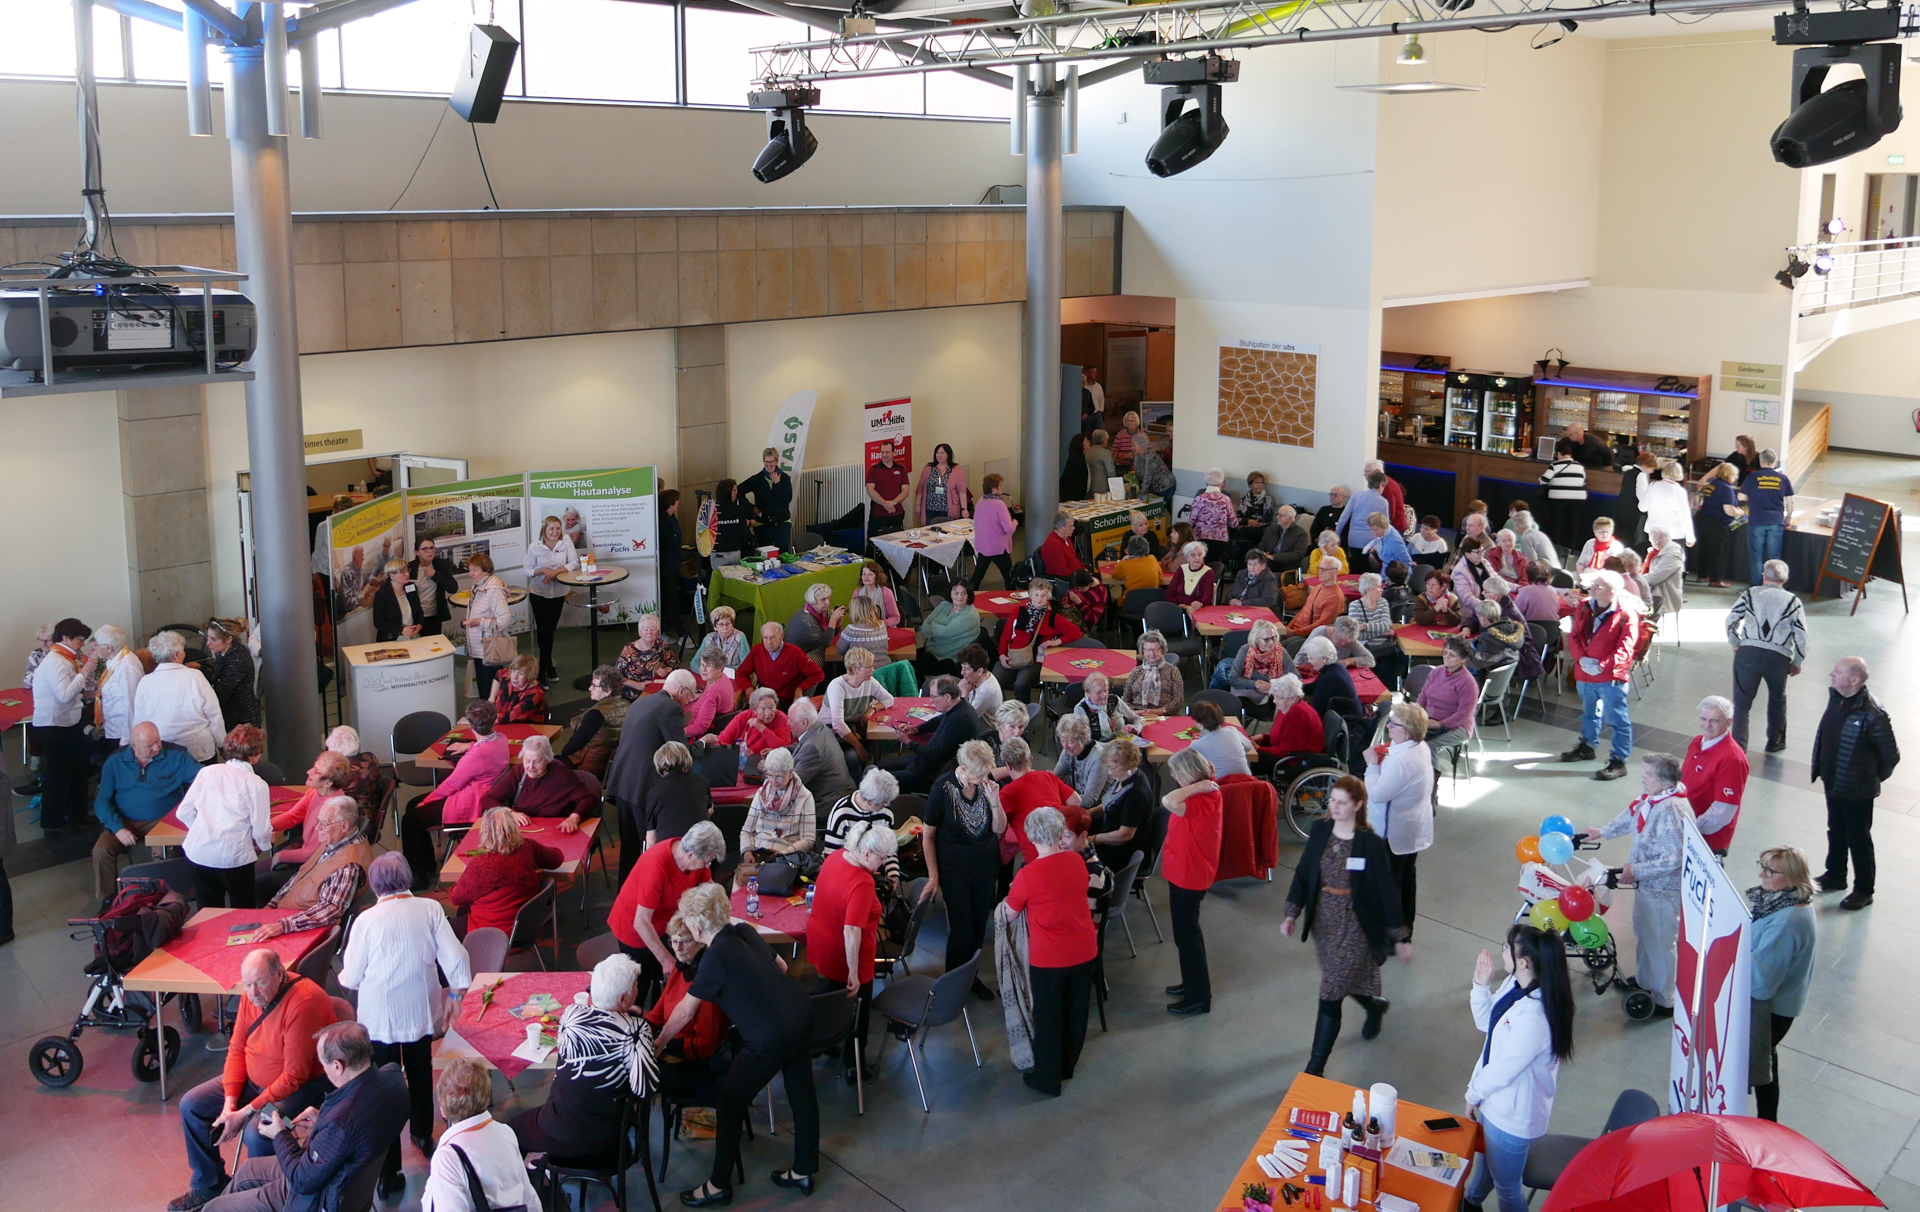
[(394, 679)]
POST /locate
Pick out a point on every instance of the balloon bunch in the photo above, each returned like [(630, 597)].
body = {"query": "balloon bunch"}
[(1573, 912)]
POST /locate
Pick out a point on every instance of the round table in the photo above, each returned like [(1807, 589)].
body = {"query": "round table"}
[(592, 581), (1219, 620), (463, 598), (1000, 605), (1074, 664)]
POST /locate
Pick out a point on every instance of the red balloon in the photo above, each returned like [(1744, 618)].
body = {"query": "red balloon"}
[(1577, 903)]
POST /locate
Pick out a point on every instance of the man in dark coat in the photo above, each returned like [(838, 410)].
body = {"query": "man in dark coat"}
[(1329, 514), (1853, 753), (1288, 542), (439, 574), (1588, 450), (651, 722), (935, 745)]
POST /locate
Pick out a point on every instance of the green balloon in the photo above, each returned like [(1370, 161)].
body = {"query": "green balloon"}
[(1591, 933)]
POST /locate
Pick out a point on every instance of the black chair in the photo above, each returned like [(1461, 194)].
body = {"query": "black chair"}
[(1549, 1156), (1415, 681), (805, 540), (1133, 608), (1228, 702), (914, 1005), (1149, 859), (888, 966), (413, 734), (835, 1017), (526, 923), (1232, 642), (1172, 622), (269, 773), (608, 1170), (1115, 901), (907, 804), (176, 871)]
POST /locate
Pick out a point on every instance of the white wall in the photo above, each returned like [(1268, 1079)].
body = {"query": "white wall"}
[(960, 365), (66, 533), (540, 155), (1873, 383)]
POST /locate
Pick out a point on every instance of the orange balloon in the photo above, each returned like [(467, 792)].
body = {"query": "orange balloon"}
[(1527, 849)]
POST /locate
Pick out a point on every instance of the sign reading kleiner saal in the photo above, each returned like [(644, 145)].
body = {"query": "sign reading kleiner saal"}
[(612, 514), (890, 421)]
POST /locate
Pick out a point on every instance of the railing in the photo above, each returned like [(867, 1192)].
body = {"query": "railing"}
[(1870, 271)]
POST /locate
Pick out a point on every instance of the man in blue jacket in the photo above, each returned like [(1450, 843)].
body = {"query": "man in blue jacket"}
[(142, 782), (337, 1162)]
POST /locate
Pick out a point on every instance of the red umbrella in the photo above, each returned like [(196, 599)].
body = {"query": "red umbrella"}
[(1694, 1163)]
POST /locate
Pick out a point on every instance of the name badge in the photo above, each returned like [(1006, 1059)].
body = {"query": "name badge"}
[(1356, 864)]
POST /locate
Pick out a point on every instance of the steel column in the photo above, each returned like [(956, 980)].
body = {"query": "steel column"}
[(263, 239), (1040, 470)]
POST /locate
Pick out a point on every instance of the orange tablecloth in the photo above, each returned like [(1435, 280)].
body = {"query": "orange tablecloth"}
[(1319, 1094), (1249, 828)]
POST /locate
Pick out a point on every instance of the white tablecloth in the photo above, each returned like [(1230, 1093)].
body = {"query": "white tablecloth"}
[(942, 543)]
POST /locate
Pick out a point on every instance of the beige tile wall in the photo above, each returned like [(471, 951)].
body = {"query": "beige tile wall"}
[(382, 283)]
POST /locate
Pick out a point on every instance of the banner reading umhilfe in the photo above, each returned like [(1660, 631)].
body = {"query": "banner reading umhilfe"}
[(890, 421), (610, 512)]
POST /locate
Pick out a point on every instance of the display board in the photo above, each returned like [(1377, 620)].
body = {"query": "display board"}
[(1269, 391), (468, 516), (1713, 1006), (612, 513), (1865, 544), (788, 433), (890, 421), (363, 539)]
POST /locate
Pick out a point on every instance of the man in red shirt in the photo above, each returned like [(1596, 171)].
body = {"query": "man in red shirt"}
[(1714, 774), (1057, 555), (1030, 789), (843, 928), (651, 894), (887, 487), (779, 666), (1601, 648), (1061, 947), (271, 1060)]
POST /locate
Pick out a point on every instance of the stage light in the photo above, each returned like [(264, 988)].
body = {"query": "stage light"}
[(1851, 116), (1836, 225), (1188, 136), (1796, 269), (789, 143), (1823, 264), (1412, 52)]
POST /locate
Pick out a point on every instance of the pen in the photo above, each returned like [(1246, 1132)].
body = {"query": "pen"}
[(1303, 1134)]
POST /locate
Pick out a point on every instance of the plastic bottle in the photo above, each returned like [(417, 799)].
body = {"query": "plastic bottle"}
[(753, 896), (810, 887), (743, 761)]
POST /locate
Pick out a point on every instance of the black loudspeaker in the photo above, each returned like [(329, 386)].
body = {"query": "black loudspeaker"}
[(483, 74)]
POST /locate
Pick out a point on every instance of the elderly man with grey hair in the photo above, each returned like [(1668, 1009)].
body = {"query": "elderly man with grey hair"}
[(179, 701), (1653, 868), (324, 888), (1854, 752), (605, 1058), (1768, 630), (1714, 774), (651, 722), (817, 756), (395, 957), (1665, 571), (1531, 540)]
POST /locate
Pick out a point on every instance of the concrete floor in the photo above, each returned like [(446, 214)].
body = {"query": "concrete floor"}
[(1164, 1109)]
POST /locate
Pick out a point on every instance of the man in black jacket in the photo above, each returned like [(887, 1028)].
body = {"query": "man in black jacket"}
[(936, 743), (651, 722), (1287, 542), (1329, 514), (1587, 449), (336, 1162), (1853, 753), (433, 588)]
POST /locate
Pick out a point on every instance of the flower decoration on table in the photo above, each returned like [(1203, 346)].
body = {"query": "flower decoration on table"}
[(1190, 733), (1257, 1197), (1084, 663), (486, 997)]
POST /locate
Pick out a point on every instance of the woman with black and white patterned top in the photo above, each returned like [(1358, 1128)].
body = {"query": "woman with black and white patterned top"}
[(606, 1054)]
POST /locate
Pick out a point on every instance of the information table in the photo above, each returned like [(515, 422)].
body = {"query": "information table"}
[(1319, 1094), (489, 1032), (1098, 523), (780, 597), (943, 543), (385, 685)]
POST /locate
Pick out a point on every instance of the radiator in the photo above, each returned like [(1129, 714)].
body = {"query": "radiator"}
[(824, 493)]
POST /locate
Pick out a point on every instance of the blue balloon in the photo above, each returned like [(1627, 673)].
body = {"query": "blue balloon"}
[(1556, 847), (1557, 824)]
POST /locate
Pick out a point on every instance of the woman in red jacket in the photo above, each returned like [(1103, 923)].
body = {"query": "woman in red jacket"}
[(1297, 729), (1061, 946), (503, 872), (1039, 626), (684, 1062), (1189, 858)]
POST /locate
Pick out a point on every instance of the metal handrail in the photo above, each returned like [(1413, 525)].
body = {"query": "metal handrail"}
[(1856, 274)]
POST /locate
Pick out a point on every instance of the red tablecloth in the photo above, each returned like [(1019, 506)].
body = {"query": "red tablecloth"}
[(1000, 605), (896, 717), (1234, 618), (775, 914), (495, 1033), (1165, 732), (1249, 828), (1350, 585), (573, 847), (515, 734), (1425, 634), (16, 706), (205, 946), (901, 637), (1366, 684), (277, 797), (1074, 664), (739, 793)]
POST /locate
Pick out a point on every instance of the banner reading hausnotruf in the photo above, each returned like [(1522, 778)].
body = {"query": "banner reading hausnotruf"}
[(364, 538), (610, 512)]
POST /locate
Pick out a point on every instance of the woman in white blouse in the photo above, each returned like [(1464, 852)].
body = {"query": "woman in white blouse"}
[(391, 959), (546, 594), (226, 813), (475, 1148), (490, 643), (1667, 504), (120, 676), (1400, 797)]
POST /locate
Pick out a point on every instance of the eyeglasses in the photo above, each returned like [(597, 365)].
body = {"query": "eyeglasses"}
[(1766, 870)]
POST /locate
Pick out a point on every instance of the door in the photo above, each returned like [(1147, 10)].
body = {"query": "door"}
[(418, 471)]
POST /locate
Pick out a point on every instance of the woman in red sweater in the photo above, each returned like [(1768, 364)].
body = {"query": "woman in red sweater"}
[(685, 1060), (503, 872), (1297, 730), (1039, 626), (1061, 946), (844, 928), (1189, 858), (1192, 584), (762, 727)]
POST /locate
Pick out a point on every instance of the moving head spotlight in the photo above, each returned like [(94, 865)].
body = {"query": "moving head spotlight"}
[(789, 143), (1851, 116), (1188, 136)]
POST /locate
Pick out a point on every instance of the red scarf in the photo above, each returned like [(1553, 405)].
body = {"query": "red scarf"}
[(1644, 806)]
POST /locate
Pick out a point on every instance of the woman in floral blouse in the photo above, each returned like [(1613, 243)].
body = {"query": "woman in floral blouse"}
[(645, 660)]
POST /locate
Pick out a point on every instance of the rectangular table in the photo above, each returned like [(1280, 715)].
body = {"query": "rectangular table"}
[(435, 758), (169, 832), (885, 723), (1163, 735), (1366, 683), (1064, 665), (1320, 1094), (779, 600), (576, 848), (491, 1034), (200, 961), (1098, 523), (1219, 620), (1418, 641)]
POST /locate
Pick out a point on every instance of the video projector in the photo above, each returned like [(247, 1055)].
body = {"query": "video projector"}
[(124, 325)]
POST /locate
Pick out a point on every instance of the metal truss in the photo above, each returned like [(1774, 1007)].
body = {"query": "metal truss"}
[(1101, 31)]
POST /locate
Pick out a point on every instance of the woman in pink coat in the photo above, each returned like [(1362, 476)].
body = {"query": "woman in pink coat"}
[(992, 534), (942, 490), (458, 798)]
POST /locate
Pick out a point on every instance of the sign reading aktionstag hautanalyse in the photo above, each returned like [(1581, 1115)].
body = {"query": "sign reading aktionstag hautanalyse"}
[(612, 513)]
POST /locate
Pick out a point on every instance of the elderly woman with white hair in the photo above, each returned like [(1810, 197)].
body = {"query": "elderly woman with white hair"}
[(1154, 688), (1500, 639), (843, 929), (867, 804), (1082, 765), (606, 1056), (1107, 714), (1666, 503), (177, 700), (813, 627), (1400, 794), (538, 786), (1061, 946), (817, 756), (1319, 662), (1532, 541), (1192, 585), (1212, 514), (1714, 774), (120, 674), (363, 777), (1371, 614), (774, 1016), (780, 820), (761, 728), (1297, 731), (1327, 549), (645, 660), (1658, 830), (1665, 571), (398, 952), (961, 842)]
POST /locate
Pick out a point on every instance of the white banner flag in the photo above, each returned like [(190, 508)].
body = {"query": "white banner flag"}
[(789, 432), (1713, 1009)]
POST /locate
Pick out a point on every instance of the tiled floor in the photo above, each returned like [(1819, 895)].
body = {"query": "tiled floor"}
[(1164, 1109)]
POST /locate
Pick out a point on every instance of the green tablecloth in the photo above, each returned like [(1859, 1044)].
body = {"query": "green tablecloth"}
[(782, 599)]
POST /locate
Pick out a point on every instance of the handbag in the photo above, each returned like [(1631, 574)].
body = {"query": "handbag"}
[(1019, 658), (1293, 592), (475, 1191), (499, 649)]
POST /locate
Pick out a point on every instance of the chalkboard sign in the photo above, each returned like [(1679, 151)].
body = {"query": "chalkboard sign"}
[(1865, 543)]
